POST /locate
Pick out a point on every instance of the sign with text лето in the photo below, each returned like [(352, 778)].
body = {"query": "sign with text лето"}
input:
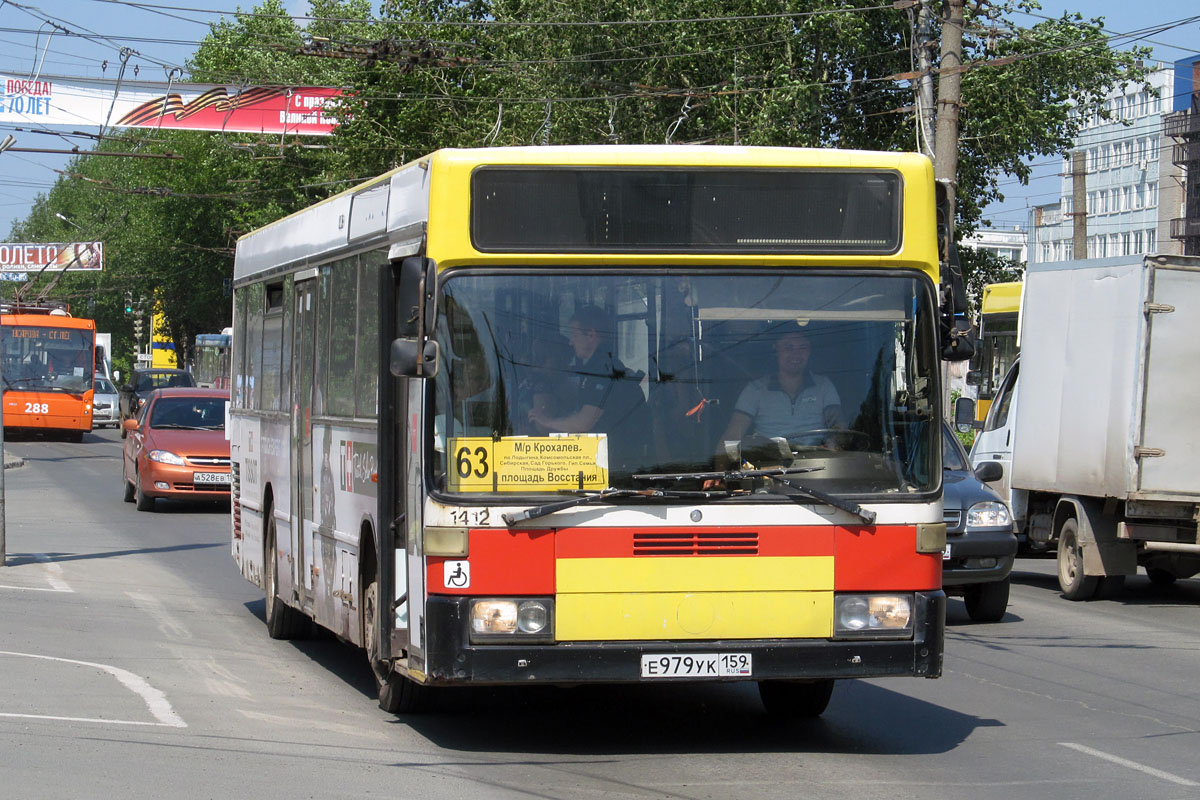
[(180, 106), (52, 257)]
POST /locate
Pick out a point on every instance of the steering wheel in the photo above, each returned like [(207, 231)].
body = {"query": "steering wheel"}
[(804, 438)]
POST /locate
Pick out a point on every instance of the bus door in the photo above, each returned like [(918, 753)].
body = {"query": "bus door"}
[(303, 363)]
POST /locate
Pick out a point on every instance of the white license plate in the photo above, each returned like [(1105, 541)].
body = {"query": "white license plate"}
[(210, 477), (946, 553), (696, 665)]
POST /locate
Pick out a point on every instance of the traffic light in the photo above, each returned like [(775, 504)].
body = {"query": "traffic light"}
[(137, 328), (128, 303)]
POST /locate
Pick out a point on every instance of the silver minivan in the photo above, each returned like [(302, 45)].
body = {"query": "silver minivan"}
[(106, 409)]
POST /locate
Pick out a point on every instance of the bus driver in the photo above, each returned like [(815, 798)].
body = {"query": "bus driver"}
[(790, 401)]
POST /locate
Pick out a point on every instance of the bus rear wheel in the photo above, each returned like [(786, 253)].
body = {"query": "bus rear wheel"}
[(397, 693), (796, 699)]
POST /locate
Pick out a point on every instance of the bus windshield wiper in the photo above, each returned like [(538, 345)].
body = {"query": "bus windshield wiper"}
[(172, 426), (603, 496), (728, 476), (801, 490), (776, 474)]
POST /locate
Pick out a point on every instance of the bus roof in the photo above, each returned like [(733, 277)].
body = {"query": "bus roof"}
[(48, 321), (424, 203), (1001, 298)]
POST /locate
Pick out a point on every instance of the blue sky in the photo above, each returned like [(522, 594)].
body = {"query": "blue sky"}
[(165, 32)]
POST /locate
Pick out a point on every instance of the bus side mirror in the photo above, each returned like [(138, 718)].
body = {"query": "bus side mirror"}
[(964, 413), (412, 359), (974, 378), (416, 307)]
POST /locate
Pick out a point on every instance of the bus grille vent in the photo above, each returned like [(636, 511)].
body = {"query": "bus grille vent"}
[(741, 543)]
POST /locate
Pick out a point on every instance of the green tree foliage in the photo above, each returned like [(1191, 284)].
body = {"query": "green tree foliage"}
[(427, 74)]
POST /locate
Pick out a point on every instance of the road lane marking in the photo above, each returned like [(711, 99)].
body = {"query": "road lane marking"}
[(154, 699), (1125, 762), (87, 719), (54, 573), (53, 577)]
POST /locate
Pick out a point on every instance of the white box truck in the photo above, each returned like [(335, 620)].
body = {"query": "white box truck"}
[(1096, 423)]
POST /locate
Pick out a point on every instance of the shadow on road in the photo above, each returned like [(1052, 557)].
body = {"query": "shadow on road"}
[(17, 559), (712, 718), (1138, 590), (638, 718)]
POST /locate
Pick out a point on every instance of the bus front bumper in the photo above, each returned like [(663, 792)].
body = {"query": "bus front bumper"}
[(455, 660)]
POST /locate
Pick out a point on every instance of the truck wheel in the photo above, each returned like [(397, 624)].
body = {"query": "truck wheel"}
[(397, 693), (283, 621), (1074, 584), (987, 602), (796, 699)]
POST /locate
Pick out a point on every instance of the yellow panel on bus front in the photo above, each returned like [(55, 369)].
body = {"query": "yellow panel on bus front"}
[(711, 597), (612, 616), (689, 573)]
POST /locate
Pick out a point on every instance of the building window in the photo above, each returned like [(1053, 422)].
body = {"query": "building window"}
[(1068, 247), (1139, 241), (1151, 240), (1045, 252), (1152, 196)]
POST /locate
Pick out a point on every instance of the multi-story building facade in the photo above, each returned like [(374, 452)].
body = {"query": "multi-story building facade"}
[(1127, 175), (1011, 243), (1183, 128)]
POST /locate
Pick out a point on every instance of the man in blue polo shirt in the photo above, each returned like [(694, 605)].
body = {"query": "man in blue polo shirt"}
[(788, 402)]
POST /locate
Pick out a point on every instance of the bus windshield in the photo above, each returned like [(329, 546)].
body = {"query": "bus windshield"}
[(585, 380), (47, 359)]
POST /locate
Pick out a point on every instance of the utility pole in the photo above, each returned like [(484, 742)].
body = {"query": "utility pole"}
[(950, 69), (925, 110), (1079, 211)]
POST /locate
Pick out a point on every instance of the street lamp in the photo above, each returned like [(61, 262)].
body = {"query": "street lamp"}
[(68, 221)]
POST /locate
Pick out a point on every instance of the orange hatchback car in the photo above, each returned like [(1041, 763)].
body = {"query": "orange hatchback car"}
[(176, 448)]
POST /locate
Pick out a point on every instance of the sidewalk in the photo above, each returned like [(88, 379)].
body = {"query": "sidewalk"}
[(11, 460)]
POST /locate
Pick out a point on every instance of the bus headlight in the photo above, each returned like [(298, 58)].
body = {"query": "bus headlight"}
[(165, 457), (873, 615), (988, 515), (495, 619)]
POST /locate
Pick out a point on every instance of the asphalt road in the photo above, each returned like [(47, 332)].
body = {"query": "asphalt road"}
[(134, 663)]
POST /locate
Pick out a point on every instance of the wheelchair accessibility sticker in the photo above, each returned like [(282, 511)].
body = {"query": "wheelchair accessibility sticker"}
[(456, 574)]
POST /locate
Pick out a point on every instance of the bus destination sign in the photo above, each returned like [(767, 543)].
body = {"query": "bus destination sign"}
[(529, 463)]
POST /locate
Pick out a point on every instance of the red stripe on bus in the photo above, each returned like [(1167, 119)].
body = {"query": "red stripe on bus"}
[(883, 559), (499, 562), (797, 540)]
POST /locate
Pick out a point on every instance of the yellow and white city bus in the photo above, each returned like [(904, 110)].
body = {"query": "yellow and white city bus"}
[(480, 406), (999, 313)]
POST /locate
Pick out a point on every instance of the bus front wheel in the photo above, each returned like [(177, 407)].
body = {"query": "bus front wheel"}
[(283, 621), (797, 699), (397, 693)]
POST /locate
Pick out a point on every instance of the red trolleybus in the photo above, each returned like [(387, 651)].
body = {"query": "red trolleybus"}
[(494, 419), (48, 363)]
